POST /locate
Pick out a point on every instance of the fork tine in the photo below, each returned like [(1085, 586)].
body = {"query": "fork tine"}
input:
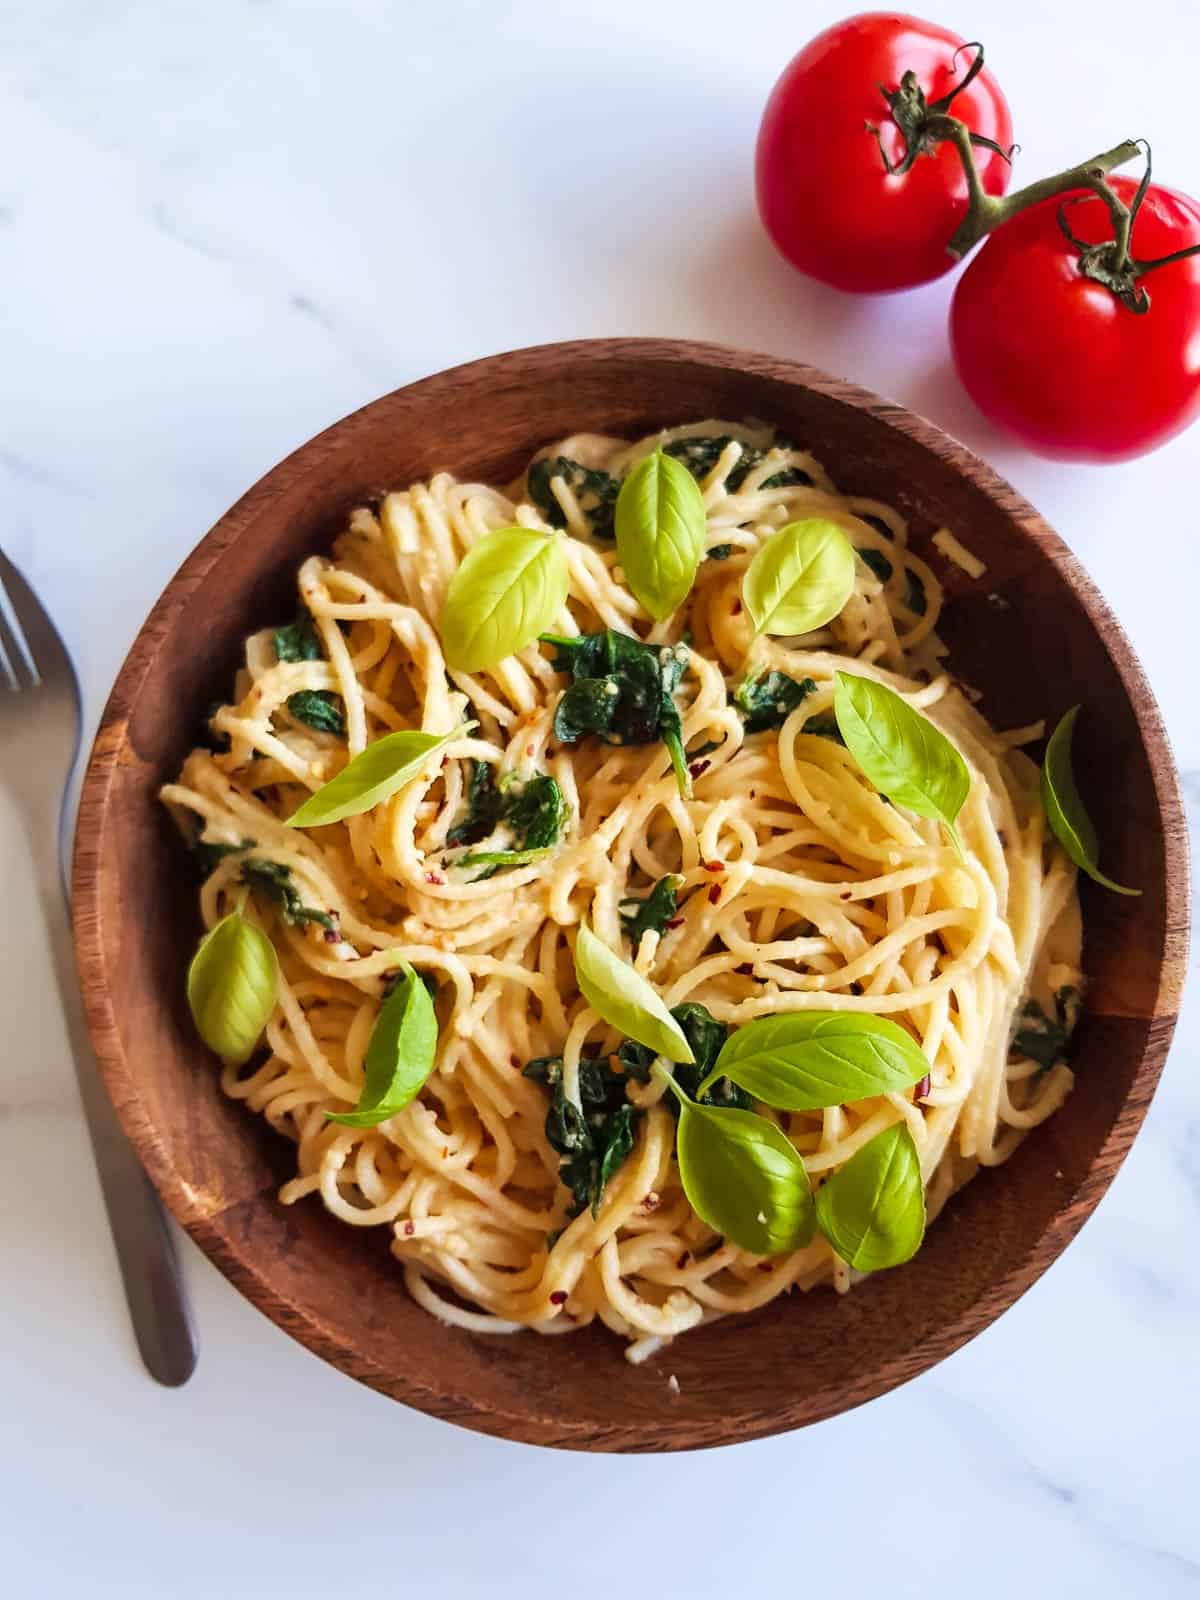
[(42, 645), (15, 657)]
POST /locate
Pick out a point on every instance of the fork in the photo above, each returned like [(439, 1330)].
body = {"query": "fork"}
[(40, 720)]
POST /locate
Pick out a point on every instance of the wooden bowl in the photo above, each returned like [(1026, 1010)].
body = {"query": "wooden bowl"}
[(1034, 635)]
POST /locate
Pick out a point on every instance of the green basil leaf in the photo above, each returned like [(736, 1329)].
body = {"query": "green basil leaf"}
[(374, 776), (872, 1210), (508, 588), (231, 987), (800, 578), (904, 755), (1065, 811), (742, 1175), (622, 997), (804, 1060), (400, 1054), (660, 525)]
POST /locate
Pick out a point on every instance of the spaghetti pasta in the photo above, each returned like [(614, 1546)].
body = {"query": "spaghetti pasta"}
[(798, 885)]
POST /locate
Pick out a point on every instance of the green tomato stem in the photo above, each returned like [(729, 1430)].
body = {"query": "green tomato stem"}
[(925, 125)]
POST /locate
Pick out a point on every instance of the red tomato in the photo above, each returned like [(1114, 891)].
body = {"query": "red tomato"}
[(823, 193), (1055, 357)]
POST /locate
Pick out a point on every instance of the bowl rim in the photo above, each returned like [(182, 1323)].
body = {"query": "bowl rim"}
[(94, 824)]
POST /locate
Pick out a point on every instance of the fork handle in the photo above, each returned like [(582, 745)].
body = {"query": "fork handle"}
[(154, 1289)]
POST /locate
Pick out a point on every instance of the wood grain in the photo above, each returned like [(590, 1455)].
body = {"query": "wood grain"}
[(1035, 636)]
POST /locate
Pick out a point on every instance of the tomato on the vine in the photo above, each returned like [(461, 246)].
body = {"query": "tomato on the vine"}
[(824, 191), (1055, 356)]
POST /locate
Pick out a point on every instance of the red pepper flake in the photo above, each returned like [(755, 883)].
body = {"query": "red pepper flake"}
[(764, 1266), (434, 877), (737, 608), (675, 922), (683, 1260), (514, 1061), (745, 970), (846, 894), (699, 768), (714, 893), (559, 1297), (332, 936), (550, 752), (651, 1202), (714, 866), (529, 750), (921, 1090), (409, 1229)]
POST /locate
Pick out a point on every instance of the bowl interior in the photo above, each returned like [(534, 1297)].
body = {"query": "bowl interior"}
[(1032, 635)]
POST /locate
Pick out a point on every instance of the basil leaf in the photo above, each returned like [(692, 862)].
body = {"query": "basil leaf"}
[(374, 775), (231, 987), (1065, 811), (800, 578), (872, 1210), (904, 755), (660, 525), (400, 1054), (742, 1175), (804, 1060), (623, 998), (508, 588)]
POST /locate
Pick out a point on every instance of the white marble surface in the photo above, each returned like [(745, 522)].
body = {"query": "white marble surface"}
[(223, 225)]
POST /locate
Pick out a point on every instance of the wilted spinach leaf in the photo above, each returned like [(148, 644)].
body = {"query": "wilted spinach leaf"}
[(915, 597), (484, 805), (319, 708), (825, 727), (701, 454), (206, 853), (877, 561), (275, 881), (1044, 1039), (623, 691), (535, 812), (595, 491), (593, 1144), (651, 913), (298, 641), (705, 1035), (767, 701)]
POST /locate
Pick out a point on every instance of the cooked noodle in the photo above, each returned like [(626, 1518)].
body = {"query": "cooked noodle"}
[(802, 887)]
